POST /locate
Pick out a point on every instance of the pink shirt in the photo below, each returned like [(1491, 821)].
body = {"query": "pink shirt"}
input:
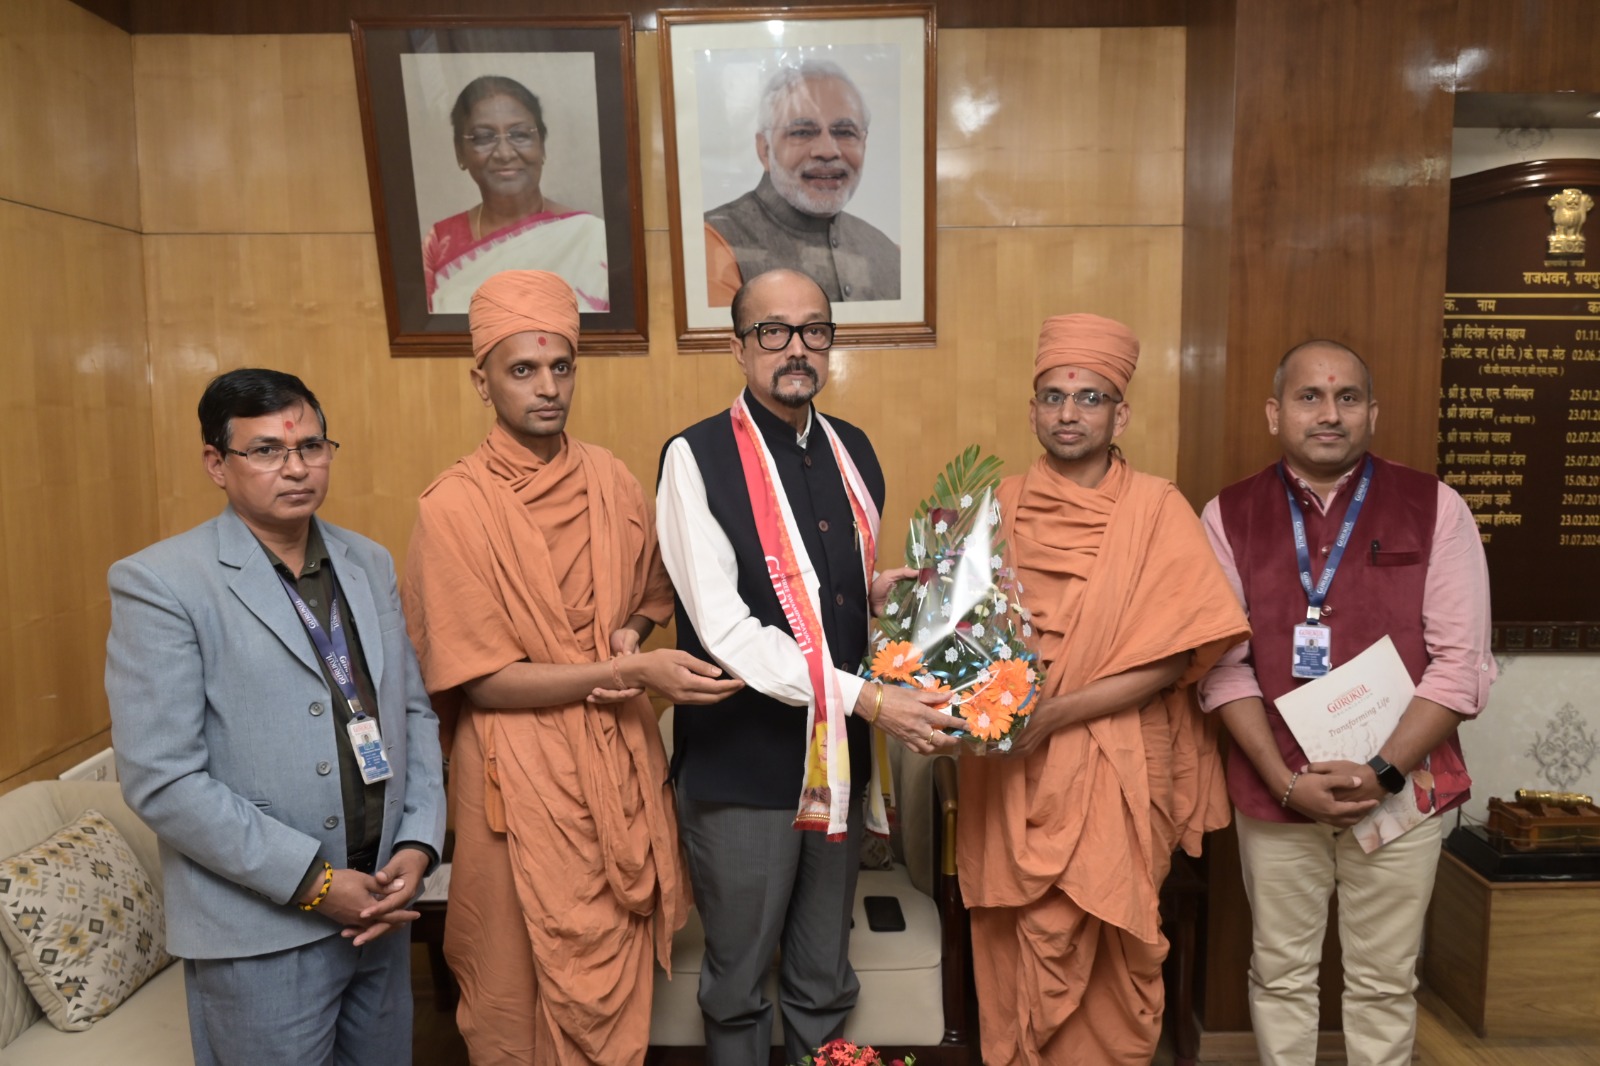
[(1455, 612)]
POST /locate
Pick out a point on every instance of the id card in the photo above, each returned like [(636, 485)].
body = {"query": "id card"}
[(1313, 650), (368, 745)]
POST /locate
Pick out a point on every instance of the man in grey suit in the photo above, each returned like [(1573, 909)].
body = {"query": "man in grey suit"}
[(271, 727)]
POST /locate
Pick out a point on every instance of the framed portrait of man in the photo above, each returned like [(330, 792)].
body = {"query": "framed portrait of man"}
[(497, 144), (802, 138)]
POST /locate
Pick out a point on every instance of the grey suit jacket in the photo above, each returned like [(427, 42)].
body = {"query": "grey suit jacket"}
[(220, 718)]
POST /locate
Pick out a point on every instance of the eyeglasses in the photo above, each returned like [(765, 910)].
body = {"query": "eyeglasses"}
[(266, 458), (774, 336), (1086, 399), (520, 139)]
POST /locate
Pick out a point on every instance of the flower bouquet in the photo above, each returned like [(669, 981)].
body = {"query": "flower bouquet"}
[(960, 626), (842, 1052)]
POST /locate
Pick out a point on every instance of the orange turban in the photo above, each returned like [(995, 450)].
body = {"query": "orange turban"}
[(521, 301), (1099, 344)]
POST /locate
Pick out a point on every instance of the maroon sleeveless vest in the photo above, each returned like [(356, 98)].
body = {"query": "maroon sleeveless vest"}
[(1376, 592)]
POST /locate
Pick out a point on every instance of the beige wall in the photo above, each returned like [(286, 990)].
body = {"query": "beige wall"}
[(235, 230), (78, 481)]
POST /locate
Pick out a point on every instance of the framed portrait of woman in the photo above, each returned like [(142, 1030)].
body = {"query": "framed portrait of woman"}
[(802, 138), (503, 144)]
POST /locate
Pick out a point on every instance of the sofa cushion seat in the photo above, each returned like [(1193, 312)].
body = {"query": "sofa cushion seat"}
[(151, 1026)]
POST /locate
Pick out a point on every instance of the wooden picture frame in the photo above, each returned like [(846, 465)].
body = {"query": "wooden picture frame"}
[(430, 204), (852, 206)]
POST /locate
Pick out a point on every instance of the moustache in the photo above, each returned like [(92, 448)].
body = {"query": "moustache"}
[(795, 366)]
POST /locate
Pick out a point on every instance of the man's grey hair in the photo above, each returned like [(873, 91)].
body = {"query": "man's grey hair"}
[(789, 78)]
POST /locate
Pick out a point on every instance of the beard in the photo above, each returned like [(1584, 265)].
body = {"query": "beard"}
[(822, 203), (798, 395)]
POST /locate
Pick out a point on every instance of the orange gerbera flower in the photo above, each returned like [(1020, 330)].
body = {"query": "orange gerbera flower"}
[(1015, 679), (896, 661), (986, 717), (929, 683)]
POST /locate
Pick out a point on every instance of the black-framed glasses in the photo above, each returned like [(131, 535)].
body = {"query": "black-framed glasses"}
[(521, 138), (1085, 399), (774, 336), (317, 451)]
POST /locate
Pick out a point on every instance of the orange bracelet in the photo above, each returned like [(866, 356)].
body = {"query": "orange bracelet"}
[(322, 893)]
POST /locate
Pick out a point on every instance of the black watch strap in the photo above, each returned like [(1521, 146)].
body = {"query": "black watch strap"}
[(1389, 776)]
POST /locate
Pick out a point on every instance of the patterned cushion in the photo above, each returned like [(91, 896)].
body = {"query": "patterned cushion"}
[(82, 920)]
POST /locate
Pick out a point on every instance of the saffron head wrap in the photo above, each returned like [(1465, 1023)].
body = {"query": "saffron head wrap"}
[(1102, 345), (521, 301)]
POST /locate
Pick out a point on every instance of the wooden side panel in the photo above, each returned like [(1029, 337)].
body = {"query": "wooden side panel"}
[(1542, 46), (66, 113), (77, 487), (1544, 962), (1456, 954)]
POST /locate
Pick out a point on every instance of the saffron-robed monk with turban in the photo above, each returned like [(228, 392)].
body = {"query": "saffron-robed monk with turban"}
[(533, 576), (1064, 843)]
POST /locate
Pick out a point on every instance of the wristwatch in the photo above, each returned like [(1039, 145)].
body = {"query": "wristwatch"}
[(1389, 776)]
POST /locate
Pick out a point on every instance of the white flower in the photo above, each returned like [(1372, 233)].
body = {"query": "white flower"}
[(1027, 615), (951, 655), (983, 720), (1003, 651), (942, 527), (995, 562), (1007, 699), (1027, 630), (944, 566), (922, 593), (966, 501), (1005, 745), (916, 551), (977, 630), (883, 642), (891, 609), (922, 634)]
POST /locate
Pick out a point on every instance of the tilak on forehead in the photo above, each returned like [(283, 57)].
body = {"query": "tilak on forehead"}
[(1089, 342), (521, 301)]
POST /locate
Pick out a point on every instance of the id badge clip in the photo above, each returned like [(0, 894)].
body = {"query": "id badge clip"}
[(367, 743), (1313, 649)]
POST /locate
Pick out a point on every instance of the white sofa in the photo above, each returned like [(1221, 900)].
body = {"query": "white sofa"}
[(152, 1027)]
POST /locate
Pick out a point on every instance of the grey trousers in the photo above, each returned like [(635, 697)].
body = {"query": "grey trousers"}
[(323, 1004), (760, 885)]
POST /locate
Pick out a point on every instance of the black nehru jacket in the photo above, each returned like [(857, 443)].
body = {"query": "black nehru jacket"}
[(749, 749)]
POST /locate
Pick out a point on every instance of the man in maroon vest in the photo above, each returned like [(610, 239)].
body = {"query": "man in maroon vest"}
[(1414, 571)]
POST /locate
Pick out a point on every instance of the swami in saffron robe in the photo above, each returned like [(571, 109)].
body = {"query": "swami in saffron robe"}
[(1061, 853), (566, 881)]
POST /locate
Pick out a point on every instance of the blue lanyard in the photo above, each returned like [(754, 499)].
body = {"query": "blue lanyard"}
[(1317, 595), (330, 643)]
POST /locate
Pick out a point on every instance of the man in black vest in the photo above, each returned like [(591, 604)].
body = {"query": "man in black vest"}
[(767, 513)]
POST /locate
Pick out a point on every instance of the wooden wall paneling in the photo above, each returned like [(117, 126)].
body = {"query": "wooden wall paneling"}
[(55, 765), (333, 16), (1203, 415), (652, 146), (250, 135), (1059, 129), (76, 490), (309, 305), (66, 113), (1536, 46)]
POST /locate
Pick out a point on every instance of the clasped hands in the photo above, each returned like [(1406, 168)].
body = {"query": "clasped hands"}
[(676, 675), (370, 905), (1337, 793)]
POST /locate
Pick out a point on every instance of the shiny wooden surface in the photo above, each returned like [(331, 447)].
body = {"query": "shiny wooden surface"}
[(1544, 46), (66, 113), (1515, 960), (333, 16), (77, 484), (250, 135), (309, 302), (1336, 200), (1047, 129)]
